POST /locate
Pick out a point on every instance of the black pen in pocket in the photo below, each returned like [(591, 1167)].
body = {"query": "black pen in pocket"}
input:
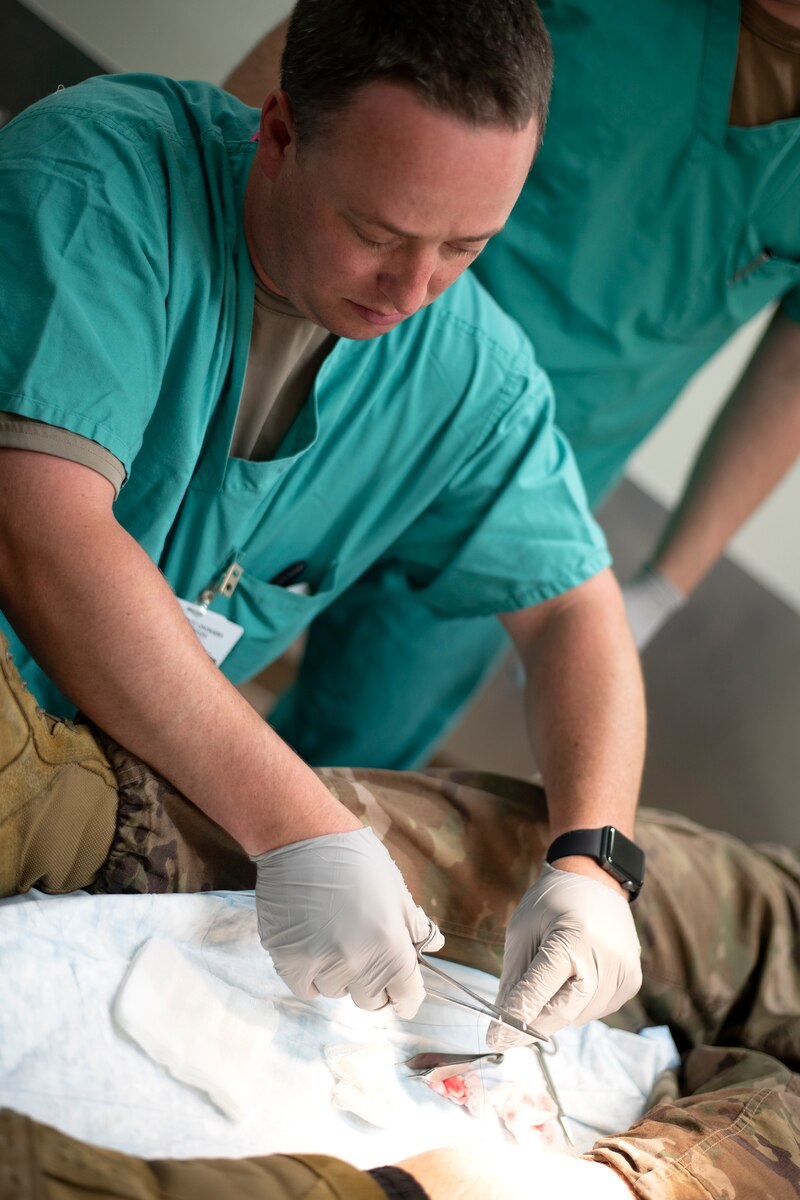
[(288, 575)]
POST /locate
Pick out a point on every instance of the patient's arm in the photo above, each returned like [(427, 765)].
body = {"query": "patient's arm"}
[(512, 1173)]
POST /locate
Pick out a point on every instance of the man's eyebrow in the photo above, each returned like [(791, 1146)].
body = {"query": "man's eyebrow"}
[(379, 223)]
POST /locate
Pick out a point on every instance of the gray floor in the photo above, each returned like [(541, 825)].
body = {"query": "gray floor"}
[(723, 687)]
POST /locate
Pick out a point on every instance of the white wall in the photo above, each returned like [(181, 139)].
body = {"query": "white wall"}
[(189, 39), (205, 38)]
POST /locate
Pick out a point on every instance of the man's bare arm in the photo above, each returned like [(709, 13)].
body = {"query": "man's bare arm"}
[(585, 703), (103, 622), (512, 1173), (571, 950), (259, 72), (751, 446)]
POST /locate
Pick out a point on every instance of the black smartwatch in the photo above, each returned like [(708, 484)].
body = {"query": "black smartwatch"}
[(615, 853)]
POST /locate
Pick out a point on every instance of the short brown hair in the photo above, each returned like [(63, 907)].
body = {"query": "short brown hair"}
[(485, 61)]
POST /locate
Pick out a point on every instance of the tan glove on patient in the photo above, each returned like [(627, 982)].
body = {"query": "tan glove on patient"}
[(336, 917), (572, 955)]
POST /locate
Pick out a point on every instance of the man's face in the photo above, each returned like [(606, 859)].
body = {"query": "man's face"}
[(382, 211)]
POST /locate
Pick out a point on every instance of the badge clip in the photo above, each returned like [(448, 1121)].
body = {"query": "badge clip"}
[(225, 586)]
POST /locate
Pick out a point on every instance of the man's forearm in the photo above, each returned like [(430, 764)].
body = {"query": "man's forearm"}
[(512, 1173), (751, 446), (259, 72), (103, 622), (585, 703)]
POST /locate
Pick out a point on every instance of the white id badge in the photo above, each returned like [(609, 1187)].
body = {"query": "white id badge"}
[(217, 634)]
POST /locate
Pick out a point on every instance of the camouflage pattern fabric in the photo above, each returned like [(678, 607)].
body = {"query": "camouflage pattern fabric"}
[(718, 922), (162, 842), (38, 1162), (733, 1134)]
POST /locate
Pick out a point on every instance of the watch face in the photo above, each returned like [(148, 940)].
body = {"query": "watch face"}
[(624, 856)]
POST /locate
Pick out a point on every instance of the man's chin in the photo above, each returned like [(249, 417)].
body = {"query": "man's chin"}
[(358, 330), (352, 321), (365, 335)]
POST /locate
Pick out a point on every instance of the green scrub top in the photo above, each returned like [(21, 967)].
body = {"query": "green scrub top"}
[(649, 229), (126, 307), (647, 232)]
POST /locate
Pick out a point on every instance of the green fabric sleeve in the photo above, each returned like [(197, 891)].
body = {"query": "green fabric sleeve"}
[(42, 1162), (341, 1180), (83, 243), (515, 515)]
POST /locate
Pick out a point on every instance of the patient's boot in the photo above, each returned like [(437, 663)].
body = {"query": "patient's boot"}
[(58, 795), (79, 811)]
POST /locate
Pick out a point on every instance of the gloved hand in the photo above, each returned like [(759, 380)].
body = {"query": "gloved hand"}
[(336, 916), (650, 600), (571, 955)]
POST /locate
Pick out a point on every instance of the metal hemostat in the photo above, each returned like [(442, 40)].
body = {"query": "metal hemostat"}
[(433, 1068), (447, 1063), (479, 1004), (551, 1087)]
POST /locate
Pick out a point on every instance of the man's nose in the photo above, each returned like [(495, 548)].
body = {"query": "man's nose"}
[(407, 283)]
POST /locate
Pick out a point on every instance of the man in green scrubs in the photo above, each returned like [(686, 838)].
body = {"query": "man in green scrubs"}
[(163, 457), (660, 216)]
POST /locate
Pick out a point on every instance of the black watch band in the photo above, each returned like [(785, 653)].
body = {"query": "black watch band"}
[(398, 1184), (615, 853)]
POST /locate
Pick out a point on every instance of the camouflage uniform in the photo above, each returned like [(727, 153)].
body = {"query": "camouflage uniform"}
[(39, 1163), (718, 922)]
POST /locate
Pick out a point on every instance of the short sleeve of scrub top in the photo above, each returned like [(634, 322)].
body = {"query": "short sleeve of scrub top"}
[(513, 522), (83, 297), (23, 433)]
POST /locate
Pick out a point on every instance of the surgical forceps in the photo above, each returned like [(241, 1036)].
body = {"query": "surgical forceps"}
[(488, 1009), (484, 1007)]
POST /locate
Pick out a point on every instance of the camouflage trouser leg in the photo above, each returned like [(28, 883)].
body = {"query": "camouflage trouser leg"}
[(718, 922)]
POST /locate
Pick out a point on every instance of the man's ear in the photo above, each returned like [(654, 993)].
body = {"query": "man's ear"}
[(275, 133)]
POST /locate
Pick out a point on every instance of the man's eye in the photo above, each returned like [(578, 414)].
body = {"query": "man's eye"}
[(370, 241), (463, 251)]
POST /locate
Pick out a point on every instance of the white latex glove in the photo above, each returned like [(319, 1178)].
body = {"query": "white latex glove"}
[(571, 955), (650, 600), (336, 917)]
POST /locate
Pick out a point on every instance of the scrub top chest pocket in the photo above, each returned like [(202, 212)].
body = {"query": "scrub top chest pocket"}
[(228, 553), (242, 530), (746, 278), (745, 187), (271, 616)]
